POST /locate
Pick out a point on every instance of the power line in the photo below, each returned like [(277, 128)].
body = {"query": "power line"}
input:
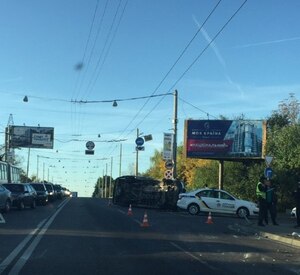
[(195, 60), (99, 67), (170, 70), (208, 45), (86, 45), (93, 47)]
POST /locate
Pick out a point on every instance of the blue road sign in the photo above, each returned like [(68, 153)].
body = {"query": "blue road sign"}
[(139, 141), (268, 172)]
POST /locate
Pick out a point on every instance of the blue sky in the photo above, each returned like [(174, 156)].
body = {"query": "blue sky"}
[(251, 66)]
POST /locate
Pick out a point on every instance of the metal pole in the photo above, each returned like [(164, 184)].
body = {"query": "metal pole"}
[(48, 174), (105, 180), (221, 174), (6, 144), (28, 162), (103, 184), (110, 180), (37, 167), (43, 171), (175, 121), (120, 166), (137, 156)]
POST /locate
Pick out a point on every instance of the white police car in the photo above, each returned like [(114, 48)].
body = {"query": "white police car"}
[(215, 201)]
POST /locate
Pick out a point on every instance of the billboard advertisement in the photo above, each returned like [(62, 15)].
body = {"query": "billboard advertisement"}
[(31, 137), (225, 139)]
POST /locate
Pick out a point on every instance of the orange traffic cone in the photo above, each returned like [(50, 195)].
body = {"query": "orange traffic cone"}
[(129, 213), (209, 219), (145, 222)]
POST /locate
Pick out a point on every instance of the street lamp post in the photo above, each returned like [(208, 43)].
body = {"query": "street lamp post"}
[(175, 122)]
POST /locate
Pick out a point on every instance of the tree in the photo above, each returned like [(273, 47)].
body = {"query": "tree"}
[(283, 143)]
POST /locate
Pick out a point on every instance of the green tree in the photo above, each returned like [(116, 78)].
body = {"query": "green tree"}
[(283, 143)]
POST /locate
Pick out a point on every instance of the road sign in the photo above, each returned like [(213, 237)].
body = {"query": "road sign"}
[(268, 172), (140, 148), (139, 141), (90, 145), (169, 164), (89, 152), (168, 174), (268, 160)]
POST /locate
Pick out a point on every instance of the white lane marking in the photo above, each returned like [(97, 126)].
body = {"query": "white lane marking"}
[(2, 220), (6, 262), (195, 257), (26, 255)]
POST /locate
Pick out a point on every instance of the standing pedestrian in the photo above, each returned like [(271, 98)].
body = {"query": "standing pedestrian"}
[(297, 198), (262, 202), (271, 202)]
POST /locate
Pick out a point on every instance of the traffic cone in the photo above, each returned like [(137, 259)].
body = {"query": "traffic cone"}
[(129, 213), (145, 222), (209, 219)]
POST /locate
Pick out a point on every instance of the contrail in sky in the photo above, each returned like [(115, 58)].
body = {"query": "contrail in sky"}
[(219, 57), (267, 42)]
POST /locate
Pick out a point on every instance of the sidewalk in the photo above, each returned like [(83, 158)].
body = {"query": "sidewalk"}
[(285, 232)]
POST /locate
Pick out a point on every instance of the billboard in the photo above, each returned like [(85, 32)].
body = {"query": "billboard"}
[(225, 139), (31, 137)]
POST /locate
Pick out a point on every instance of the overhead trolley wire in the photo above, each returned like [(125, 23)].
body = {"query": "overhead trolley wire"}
[(172, 67), (167, 74), (86, 45), (188, 68), (99, 29), (105, 50)]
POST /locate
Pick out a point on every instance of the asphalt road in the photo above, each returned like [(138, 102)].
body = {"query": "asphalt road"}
[(87, 236)]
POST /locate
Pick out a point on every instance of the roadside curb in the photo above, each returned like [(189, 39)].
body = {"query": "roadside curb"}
[(289, 240)]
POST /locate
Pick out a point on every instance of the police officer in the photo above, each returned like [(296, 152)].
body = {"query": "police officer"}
[(261, 189), (297, 198), (271, 200)]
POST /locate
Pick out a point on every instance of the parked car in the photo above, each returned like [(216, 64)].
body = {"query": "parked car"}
[(42, 193), (23, 195), (293, 212), (51, 191), (5, 199), (66, 192), (58, 190), (215, 201)]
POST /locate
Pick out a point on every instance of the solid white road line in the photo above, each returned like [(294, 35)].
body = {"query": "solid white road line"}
[(26, 255), (18, 249)]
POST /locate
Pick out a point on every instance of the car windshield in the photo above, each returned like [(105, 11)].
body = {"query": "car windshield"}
[(141, 117), (49, 187), (38, 187), (18, 188)]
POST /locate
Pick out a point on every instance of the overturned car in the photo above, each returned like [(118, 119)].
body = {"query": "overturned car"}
[(147, 192)]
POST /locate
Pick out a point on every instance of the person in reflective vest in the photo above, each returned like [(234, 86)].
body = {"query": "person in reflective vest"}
[(297, 198), (261, 189)]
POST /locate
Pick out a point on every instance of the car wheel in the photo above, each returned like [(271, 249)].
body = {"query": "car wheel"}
[(7, 206), (193, 209), (21, 205), (33, 204), (242, 212)]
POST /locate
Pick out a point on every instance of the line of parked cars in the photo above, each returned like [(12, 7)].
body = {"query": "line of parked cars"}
[(21, 195)]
